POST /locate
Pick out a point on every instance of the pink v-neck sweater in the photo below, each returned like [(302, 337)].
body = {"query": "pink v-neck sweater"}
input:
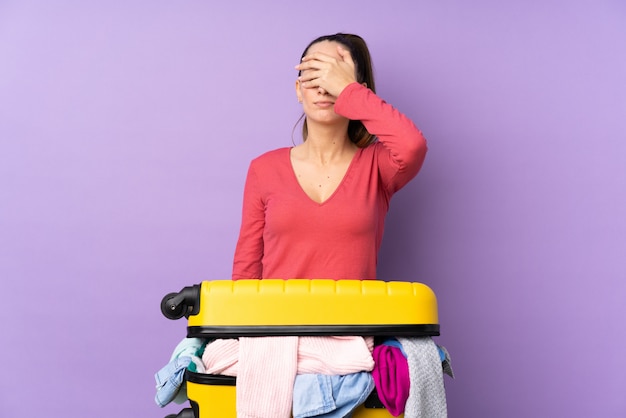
[(285, 234)]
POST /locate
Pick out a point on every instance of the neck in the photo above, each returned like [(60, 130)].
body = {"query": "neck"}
[(326, 143)]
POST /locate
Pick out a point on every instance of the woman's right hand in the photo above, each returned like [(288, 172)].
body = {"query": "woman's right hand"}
[(319, 70)]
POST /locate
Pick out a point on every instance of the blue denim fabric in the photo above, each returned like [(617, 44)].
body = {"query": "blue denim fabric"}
[(170, 380), (317, 395)]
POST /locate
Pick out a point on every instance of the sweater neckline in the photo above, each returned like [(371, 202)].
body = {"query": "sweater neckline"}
[(347, 174)]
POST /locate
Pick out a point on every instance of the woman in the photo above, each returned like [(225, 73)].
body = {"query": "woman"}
[(317, 210)]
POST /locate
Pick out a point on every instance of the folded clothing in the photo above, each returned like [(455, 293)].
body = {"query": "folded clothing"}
[(330, 355), (170, 380), (427, 397), (324, 396), (170, 383), (267, 367), (391, 376)]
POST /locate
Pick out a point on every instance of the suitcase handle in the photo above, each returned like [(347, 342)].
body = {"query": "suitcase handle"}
[(184, 303)]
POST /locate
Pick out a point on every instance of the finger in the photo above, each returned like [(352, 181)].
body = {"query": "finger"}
[(310, 84), (309, 74), (345, 54), (309, 65), (312, 65), (319, 56), (309, 79)]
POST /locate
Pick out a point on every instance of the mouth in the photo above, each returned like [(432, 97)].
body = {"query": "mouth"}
[(324, 103)]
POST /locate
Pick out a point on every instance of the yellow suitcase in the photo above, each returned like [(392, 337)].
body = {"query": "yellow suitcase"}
[(231, 309)]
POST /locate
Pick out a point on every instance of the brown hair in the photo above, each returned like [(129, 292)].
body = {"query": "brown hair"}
[(364, 74)]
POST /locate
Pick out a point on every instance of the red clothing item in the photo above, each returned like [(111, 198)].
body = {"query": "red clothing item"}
[(286, 235)]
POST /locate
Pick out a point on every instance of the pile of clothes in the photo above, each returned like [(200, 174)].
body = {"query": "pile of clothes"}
[(315, 376)]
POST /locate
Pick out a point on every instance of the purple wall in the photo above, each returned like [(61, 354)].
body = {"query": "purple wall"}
[(126, 129)]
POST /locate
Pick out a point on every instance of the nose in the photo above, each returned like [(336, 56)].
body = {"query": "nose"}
[(321, 91)]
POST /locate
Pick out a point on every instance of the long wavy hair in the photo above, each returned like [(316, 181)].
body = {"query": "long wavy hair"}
[(364, 74)]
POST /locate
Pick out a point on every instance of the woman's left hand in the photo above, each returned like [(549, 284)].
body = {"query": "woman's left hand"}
[(319, 70)]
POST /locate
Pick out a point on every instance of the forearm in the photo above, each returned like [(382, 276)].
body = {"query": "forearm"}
[(405, 142)]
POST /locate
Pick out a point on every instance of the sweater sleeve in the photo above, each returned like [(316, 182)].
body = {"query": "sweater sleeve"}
[(403, 145), (247, 263)]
